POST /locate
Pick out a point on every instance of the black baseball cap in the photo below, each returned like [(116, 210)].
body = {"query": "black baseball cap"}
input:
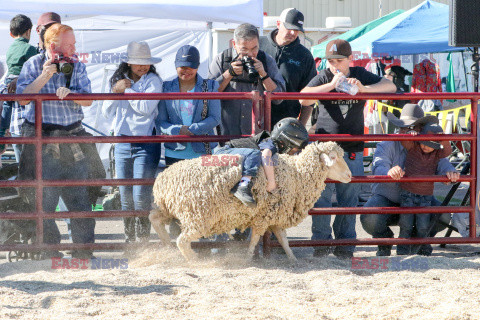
[(435, 129), (292, 19)]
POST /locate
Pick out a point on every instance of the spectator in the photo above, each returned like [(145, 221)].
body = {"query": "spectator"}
[(188, 117), (294, 61), (341, 117), (229, 69), (18, 53), (45, 21), (389, 159), (422, 158), (61, 117), (136, 74)]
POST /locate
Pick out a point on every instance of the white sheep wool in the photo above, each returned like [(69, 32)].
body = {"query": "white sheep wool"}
[(197, 192)]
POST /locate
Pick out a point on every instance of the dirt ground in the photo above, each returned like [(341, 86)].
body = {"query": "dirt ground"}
[(157, 283)]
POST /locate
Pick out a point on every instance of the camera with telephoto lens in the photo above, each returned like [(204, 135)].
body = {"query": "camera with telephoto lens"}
[(249, 67), (64, 64)]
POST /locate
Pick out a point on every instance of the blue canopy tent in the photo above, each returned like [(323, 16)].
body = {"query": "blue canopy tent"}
[(422, 29)]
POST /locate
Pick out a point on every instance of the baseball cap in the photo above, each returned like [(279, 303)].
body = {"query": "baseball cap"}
[(338, 49), (187, 56), (432, 128), (48, 18), (292, 19)]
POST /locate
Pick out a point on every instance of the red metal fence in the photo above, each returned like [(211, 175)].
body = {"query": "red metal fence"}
[(258, 112)]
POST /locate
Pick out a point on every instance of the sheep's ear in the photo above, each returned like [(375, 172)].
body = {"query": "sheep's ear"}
[(329, 159)]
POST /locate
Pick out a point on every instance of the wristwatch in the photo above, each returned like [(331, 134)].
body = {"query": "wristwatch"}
[(265, 78)]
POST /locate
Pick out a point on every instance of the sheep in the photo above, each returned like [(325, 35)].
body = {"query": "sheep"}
[(197, 192)]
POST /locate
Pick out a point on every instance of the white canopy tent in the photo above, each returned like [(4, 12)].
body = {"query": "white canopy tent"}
[(104, 28), (235, 11)]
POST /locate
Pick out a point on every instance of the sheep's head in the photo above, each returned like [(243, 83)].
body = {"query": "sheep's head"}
[(331, 155)]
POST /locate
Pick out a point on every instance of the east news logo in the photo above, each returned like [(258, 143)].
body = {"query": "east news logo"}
[(93, 264)]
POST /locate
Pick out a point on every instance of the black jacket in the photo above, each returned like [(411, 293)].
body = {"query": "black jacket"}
[(297, 67)]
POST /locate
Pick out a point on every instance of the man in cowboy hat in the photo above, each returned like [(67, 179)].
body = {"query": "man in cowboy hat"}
[(389, 159), (59, 118)]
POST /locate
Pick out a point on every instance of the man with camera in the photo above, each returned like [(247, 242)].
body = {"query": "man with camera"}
[(58, 71), (244, 68), (294, 61)]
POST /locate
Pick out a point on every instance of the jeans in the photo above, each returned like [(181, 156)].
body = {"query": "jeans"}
[(408, 221), (17, 148), (252, 158), (347, 196), (75, 198), (6, 116), (136, 161), (6, 111), (378, 225)]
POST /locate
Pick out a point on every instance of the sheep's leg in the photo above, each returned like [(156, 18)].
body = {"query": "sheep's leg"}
[(254, 238), (184, 243), (281, 235), (159, 226)]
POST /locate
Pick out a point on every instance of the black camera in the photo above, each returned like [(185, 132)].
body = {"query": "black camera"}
[(64, 64), (249, 67)]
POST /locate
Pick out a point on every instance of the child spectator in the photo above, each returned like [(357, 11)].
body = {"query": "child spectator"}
[(18, 53), (422, 159), (288, 136)]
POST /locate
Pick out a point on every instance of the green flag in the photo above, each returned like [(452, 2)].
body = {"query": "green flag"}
[(450, 78)]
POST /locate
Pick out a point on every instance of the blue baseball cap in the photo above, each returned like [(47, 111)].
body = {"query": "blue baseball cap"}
[(187, 56)]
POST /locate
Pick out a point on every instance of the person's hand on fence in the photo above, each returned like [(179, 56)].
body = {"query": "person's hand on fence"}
[(62, 92), (453, 176), (396, 173), (413, 132)]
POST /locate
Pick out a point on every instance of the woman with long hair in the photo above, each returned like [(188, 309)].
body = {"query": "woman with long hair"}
[(135, 118)]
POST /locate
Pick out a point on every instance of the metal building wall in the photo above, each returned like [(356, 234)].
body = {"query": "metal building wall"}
[(360, 11)]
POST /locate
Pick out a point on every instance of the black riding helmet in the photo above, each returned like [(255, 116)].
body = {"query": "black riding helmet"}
[(289, 133)]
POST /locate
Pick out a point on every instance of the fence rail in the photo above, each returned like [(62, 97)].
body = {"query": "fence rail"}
[(257, 112)]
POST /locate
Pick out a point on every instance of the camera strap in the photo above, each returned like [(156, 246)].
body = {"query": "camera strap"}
[(227, 58)]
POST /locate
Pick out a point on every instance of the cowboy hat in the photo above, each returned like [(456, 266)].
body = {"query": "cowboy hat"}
[(139, 53), (412, 114)]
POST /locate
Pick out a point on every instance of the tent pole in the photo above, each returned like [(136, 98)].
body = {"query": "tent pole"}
[(475, 58), (210, 42), (465, 70)]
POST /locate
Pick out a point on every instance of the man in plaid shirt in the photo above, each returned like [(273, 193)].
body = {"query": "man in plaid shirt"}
[(59, 118)]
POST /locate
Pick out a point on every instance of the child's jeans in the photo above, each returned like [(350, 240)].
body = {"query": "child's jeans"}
[(252, 158), (408, 221)]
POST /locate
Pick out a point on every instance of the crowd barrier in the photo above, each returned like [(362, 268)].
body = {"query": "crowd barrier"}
[(260, 120)]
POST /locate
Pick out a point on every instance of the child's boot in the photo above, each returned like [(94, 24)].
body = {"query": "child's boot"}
[(244, 194)]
